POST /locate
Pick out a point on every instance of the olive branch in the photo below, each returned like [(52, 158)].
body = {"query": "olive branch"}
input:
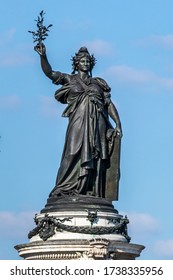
[(42, 31)]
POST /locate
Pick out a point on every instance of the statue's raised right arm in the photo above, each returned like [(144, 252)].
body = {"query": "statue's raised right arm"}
[(45, 65)]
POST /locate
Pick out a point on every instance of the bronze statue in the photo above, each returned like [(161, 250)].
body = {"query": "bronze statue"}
[(89, 138), (91, 156)]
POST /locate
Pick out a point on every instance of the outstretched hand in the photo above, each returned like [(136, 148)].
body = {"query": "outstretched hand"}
[(40, 49)]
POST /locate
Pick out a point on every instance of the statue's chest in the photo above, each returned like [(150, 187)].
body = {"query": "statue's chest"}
[(92, 88)]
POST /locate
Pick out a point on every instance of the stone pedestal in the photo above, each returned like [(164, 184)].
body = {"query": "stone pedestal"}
[(79, 227)]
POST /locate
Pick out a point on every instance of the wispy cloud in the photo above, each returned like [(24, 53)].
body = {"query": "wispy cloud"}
[(14, 59), (165, 41), (7, 36), (143, 223), (49, 107), (126, 73), (99, 47), (70, 24), (12, 54), (166, 82), (10, 102), (164, 248), (16, 224), (132, 76)]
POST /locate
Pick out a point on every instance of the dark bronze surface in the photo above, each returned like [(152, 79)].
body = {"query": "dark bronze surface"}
[(90, 163)]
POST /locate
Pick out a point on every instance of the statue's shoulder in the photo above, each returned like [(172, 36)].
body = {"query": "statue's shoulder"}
[(102, 83), (60, 78)]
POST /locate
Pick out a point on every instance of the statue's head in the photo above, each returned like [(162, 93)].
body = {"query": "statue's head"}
[(83, 52)]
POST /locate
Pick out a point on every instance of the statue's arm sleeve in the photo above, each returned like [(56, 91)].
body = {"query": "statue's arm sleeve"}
[(56, 76)]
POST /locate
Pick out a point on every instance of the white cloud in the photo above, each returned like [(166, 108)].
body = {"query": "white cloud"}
[(16, 224), (165, 41), (166, 83), (126, 73), (70, 24), (98, 47), (142, 224), (132, 76), (49, 107), (7, 36), (14, 58), (164, 248), (10, 53), (10, 102)]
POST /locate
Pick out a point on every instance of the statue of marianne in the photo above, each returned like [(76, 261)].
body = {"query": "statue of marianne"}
[(91, 156)]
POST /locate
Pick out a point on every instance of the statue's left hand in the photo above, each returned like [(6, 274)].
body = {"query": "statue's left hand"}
[(118, 131)]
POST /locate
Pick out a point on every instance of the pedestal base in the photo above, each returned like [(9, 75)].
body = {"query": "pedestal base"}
[(79, 227), (96, 249)]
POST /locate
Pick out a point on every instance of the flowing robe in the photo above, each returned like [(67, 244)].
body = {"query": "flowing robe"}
[(85, 157)]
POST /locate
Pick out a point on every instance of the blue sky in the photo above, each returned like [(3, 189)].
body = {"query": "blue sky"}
[(133, 43)]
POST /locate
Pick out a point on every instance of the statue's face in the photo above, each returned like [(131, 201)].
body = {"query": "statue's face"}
[(84, 64)]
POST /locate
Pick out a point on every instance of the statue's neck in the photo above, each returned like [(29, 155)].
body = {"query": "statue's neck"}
[(83, 75)]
